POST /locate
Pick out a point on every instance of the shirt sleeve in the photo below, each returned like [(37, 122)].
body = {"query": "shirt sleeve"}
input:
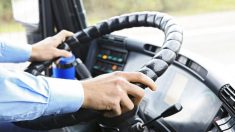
[(26, 97), (14, 52)]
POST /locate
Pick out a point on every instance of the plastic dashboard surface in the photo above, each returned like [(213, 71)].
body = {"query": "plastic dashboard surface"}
[(177, 85)]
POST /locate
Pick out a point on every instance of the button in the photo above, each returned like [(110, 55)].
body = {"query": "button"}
[(114, 67), (110, 57), (99, 55), (104, 57), (96, 67), (114, 58), (120, 60)]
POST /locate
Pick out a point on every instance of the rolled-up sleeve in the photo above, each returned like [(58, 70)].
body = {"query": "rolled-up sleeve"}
[(26, 97), (14, 52)]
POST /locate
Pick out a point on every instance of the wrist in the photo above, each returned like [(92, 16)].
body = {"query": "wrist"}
[(33, 55), (87, 98)]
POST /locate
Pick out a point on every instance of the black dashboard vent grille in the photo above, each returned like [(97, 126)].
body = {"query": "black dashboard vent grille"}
[(227, 95)]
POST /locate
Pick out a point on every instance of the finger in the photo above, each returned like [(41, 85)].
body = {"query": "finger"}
[(135, 91), (139, 77), (126, 104), (116, 111), (62, 53), (63, 34)]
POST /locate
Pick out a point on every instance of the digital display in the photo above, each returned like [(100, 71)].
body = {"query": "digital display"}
[(176, 89)]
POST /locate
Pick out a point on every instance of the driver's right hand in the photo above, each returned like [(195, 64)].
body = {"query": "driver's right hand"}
[(111, 92)]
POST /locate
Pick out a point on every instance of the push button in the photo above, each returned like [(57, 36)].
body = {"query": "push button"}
[(114, 67), (96, 67), (99, 55), (104, 57), (110, 57), (120, 60), (114, 58)]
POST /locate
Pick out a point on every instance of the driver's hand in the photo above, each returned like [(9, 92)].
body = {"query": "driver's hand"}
[(111, 92), (46, 49)]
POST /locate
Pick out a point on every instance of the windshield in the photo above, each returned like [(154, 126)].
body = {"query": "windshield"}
[(209, 25)]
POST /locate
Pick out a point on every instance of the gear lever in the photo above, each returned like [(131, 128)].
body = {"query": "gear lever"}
[(139, 127)]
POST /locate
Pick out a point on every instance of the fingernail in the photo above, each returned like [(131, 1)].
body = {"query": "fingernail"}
[(67, 55), (70, 54)]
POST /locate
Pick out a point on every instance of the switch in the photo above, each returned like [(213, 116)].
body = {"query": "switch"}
[(114, 67), (99, 55), (104, 57), (120, 60), (110, 57), (96, 67), (114, 58)]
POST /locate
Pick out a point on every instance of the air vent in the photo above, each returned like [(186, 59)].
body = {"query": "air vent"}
[(114, 38), (150, 48), (227, 95)]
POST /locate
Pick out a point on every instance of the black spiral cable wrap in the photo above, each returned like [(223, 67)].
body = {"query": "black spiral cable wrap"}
[(153, 69)]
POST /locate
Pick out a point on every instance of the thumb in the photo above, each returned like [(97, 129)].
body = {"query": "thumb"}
[(63, 53)]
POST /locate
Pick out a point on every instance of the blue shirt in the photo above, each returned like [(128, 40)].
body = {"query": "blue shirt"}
[(26, 97)]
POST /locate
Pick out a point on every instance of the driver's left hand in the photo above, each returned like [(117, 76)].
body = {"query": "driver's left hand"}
[(47, 48)]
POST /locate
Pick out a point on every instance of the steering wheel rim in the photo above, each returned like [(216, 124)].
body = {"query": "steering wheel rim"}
[(153, 69)]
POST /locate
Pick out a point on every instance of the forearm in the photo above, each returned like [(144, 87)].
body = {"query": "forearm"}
[(26, 97)]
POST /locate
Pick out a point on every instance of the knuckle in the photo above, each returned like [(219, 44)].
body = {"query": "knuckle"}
[(114, 103), (140, 76), (119, 81), (119, 92), (63, 31), (117, 73)]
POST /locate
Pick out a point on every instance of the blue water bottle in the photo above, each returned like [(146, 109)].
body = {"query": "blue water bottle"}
[(64, 68)]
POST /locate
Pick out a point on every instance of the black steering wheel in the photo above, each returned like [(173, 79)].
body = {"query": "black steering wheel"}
[(153, 69)]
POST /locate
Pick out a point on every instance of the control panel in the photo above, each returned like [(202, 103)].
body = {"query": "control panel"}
[(109, 58)]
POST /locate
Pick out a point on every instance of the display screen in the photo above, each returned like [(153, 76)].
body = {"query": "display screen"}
[(176, 89), (200, 104)]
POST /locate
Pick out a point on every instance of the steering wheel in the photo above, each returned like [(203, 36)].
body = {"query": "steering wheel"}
[(153, 69)]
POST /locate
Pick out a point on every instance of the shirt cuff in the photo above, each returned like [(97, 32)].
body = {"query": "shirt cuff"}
[(66, 96), (14, 52)]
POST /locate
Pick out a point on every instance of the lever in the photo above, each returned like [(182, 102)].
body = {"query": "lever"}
[(168, 112), (139, 127)]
